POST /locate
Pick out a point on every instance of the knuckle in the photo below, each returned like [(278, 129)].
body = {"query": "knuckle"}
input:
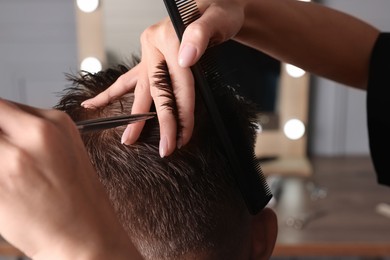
[(141, 88), (198, 30), (60, 116), (40, 127), (144, 35), (40, 131), (18, 161), (123, 83), (18, 168), (61, 124), (148, 33), (121, 80), (63, 120)]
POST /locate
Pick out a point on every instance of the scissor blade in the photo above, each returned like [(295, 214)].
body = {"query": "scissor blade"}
[(112, 122)]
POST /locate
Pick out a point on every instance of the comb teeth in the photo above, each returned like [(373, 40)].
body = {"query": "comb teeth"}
[(188, 11), (247, 173)]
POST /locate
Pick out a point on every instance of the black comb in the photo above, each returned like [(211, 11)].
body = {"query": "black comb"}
[(247, 172)]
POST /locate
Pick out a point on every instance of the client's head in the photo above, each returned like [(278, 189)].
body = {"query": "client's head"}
[(184, 206)]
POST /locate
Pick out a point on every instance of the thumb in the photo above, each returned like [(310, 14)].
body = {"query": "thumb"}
[(216, 25)]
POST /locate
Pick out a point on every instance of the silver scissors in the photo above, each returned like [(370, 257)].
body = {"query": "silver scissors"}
[(112, 122)]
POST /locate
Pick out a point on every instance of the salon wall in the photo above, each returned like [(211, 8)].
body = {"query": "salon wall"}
[(37, 45), (338, 114), (121, 44)]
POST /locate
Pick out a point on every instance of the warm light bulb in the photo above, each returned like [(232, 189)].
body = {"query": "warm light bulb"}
[(294, 129), (88, 6), (91, 64), (294, 71)]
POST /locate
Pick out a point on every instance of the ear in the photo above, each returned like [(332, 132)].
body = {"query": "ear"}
[(264, 233)]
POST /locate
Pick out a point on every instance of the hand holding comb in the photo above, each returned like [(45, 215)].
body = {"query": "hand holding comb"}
[(247, 173)]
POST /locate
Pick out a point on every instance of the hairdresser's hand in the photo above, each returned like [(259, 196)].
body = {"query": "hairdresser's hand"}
[(52, 206), (220, 21)]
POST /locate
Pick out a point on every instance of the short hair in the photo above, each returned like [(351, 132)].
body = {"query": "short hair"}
[(183, 205)]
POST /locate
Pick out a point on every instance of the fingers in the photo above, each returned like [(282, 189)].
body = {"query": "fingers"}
[(159, 43), (5, 148), (147, 91), (184, 92), (20, 122), (121, 86), (219, 22), (13, 119), (153, 57), (141, 104)]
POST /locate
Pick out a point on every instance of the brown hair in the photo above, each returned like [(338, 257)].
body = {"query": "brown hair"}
[(184, 205)]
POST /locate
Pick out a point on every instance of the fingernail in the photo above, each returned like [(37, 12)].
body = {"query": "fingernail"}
[(163, 146), (187, 55), (85, 104), (125, 135)]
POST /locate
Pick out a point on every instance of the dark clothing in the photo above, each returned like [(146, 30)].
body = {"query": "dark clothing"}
[(378, 116)]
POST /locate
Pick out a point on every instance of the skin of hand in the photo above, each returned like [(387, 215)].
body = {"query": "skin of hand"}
[(141, 78), (52, 204), (220, 21)]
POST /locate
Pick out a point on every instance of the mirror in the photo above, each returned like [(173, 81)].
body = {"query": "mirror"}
[(256, 76), (286, 145), (123, 21), (114, 29)]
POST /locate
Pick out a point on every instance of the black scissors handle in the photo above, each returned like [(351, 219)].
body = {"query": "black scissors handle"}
[(112, 122)]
